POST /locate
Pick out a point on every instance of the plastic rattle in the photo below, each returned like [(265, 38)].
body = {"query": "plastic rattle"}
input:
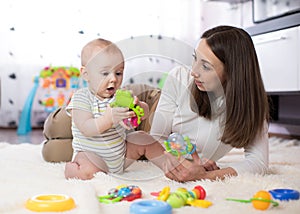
[(124, 98), (285, 194), (150, 207), (260, 201), (121, 193), (50, 203), (182, 197), (178, 145)]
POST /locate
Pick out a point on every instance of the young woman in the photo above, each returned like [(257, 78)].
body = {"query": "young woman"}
[(220, 103)]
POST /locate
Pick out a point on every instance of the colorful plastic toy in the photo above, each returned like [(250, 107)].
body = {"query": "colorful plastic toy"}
[(260, 201), (50, 203), (182, 197), (124, 98), (121, 193), (150, 207), (25, 120), (56, 84), (285, 194), (178, 145)]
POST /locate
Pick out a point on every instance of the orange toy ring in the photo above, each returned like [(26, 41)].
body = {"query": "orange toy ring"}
[(50, 203)]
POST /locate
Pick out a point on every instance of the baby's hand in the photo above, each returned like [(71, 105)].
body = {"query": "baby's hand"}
[(117, 114)]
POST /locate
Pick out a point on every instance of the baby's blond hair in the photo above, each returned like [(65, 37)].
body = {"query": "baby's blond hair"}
[(94, 47)]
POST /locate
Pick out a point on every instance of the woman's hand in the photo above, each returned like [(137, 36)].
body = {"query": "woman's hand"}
[(186, 170), (209, 165), (192, 170)]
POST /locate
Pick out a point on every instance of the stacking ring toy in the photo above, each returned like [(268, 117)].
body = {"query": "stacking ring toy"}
[(150, 206), (285, 194), (50, 203)]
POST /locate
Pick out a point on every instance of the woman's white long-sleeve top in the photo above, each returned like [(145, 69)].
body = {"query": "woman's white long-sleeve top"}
[(174, 115)]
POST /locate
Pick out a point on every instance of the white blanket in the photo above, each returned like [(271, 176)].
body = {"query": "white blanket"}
[(25, 174)]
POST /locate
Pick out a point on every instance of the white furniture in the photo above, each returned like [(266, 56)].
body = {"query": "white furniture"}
[(279, 57)]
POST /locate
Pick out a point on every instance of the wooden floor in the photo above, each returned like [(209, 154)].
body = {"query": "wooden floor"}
[(10, 136)]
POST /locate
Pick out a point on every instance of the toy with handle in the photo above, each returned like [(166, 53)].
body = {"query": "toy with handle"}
[(124, 98), (25, 120), (121, 193), (260, 201)]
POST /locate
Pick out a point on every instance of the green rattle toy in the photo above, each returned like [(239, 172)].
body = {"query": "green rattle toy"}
[(124, 98)]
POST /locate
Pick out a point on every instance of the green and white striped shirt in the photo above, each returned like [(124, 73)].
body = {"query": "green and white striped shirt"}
[(110, 145)]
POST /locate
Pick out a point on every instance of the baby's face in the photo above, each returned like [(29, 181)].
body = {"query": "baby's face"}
[(105, 74)]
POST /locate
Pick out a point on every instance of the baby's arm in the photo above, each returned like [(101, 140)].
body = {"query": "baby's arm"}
[(90, 126)]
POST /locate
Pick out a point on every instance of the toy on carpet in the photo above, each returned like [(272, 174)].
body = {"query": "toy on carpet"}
[(260, 201), (121, 193), (182, 197), (50, 203), (178, 145), (124, 98), (285, 194), (150, 207)]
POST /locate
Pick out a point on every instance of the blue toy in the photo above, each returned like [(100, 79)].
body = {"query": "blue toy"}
[(150, 207), (178, 145), (25, 120)]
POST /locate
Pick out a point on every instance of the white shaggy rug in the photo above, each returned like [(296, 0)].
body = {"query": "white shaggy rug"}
[(24, 173)]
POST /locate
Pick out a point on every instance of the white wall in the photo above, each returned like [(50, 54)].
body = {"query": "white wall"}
[(35, 34)]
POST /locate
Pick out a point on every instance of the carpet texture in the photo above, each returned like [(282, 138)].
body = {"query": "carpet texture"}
[(25, 174)]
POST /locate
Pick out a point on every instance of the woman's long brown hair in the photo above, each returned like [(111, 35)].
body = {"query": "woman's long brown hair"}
[(247, 106)]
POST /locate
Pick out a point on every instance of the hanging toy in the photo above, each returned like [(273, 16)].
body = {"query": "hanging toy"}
[(182, 197), (121, 193), (178, 145), (260, 201)]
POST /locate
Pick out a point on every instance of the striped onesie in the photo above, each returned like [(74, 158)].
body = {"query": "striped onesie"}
[(110, 145)]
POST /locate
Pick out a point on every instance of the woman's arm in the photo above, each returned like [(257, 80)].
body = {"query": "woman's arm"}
[(196, 170), (256, 155), (256, 160), (162, 122)]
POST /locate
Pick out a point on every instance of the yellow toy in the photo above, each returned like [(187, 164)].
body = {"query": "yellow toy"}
[(50, 203)]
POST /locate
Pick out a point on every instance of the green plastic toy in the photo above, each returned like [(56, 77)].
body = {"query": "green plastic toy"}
[(124, 98)]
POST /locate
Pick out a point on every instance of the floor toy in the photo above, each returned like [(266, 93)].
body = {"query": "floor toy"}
[(182, 197), (124, 98), (55, 87), (178, 145), (25, 120), (121, 193), (50, 203), (284, 194), (150, 207), (260, 201)]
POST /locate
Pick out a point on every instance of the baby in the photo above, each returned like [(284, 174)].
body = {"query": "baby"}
[(99, 141)]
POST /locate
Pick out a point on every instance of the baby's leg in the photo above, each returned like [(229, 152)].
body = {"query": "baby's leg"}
[(84, 166), (140, 143)]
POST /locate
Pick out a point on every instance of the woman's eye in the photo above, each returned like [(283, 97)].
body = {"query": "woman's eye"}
[(206, 67)]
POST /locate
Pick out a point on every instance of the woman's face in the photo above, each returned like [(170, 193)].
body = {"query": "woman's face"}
[(207, 70)]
